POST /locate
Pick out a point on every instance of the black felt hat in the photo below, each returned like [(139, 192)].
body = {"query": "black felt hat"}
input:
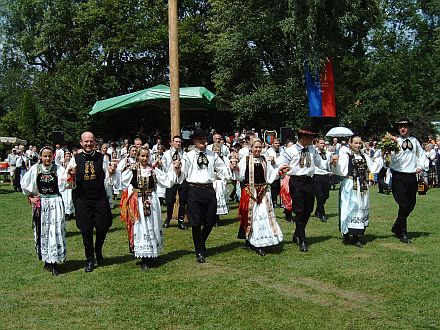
[(405, 121), (199, 133)]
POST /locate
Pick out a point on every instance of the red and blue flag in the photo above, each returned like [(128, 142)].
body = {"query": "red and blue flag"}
[(321, 92)]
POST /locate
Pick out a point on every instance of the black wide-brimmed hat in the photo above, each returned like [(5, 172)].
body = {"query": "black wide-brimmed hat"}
[(306, 131), (199, 133), (404, 121)]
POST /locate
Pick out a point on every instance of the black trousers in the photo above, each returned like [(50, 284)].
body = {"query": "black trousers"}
[(202, 209), (91, 214), (303, 198), (16, 181), (170, 199), (322, 190), (275, 190), (381, 180), (404, 187)]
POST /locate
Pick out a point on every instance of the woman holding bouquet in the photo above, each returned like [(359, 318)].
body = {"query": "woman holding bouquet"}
[(140, 209), (354, 200)]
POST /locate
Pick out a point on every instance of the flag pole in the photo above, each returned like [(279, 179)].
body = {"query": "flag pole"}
[(174, 67)]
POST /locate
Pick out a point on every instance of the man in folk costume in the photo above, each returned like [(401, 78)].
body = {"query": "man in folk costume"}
[(322, 180), (87, 170), (405, 165), (200, 168), (302, 159), (173, 154)]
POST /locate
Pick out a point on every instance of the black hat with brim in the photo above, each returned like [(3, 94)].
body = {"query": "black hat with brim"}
[(199, 133), (405, 121)]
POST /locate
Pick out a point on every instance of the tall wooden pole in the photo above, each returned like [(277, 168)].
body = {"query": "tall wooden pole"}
[(174, 67)]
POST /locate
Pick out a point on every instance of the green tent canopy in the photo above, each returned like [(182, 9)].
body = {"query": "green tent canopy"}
[(190, 98)]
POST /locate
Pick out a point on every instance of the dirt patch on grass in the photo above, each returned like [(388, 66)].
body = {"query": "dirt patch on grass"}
[(322, 293), (400, 247)]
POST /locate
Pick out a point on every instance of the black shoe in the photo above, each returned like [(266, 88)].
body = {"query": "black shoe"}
[(317, 215), (181, 225), (99, 260), (303, 246), (260, 251), (55, 270), (357, 242), (404, 238), (200, 258), (166, 223), (47, 266), (323, 218), (248, 245), (295, 239), (90, 265), (394, 229), (145, 265), (346, 239)]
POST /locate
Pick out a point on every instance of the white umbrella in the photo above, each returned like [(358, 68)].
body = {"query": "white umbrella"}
[(339, 132)]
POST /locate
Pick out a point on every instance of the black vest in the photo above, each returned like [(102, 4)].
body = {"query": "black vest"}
[(89, 176)]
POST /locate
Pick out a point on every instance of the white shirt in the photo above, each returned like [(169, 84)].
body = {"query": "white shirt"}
[(167, 158), (271, 152), (215, 170), (243, 152), (325, 163), (59, 156), (292, 156), (408, 161)]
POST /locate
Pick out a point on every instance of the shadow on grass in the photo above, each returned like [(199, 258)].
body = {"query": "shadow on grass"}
[(228, 221), (74, 265), (6, 191), (370, 238)]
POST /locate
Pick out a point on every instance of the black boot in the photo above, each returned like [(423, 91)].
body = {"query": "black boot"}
[(346, 239), (356, 241), (90, 265), (181, 225), (55, 270), (260, 251), (166, 223), (145, 264)]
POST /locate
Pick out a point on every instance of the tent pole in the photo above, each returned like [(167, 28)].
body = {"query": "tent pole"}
[(174, 67)]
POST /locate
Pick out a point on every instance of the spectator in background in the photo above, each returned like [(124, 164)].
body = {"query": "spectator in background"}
[(12, 161)]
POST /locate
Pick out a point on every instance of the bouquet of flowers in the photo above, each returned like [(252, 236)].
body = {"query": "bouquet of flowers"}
[(388, 144)]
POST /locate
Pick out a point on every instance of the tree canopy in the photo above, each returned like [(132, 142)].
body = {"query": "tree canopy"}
[(59, 57)]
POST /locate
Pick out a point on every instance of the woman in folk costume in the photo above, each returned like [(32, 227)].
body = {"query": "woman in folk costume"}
[(69, 209), (221, 186), (42, 185), (258, 225), (140, 207), (354, 195)]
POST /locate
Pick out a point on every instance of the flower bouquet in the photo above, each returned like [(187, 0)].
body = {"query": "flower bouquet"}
[(388, 144)]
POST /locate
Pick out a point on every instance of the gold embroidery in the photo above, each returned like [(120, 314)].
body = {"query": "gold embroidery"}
[(86, 171)]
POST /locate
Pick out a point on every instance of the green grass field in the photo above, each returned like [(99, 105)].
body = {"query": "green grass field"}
[(386, 284)]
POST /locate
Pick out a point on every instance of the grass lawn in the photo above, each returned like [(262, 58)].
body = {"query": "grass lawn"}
[(387, 284)]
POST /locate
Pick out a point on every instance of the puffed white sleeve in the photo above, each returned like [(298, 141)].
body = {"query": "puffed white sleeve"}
[(29, 182), (422, 160), (272, 173), (285, 157), (63, 183), (221, 169), (341, 167), (166, 179), (126, 177), (374, 164), (240, 174)]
